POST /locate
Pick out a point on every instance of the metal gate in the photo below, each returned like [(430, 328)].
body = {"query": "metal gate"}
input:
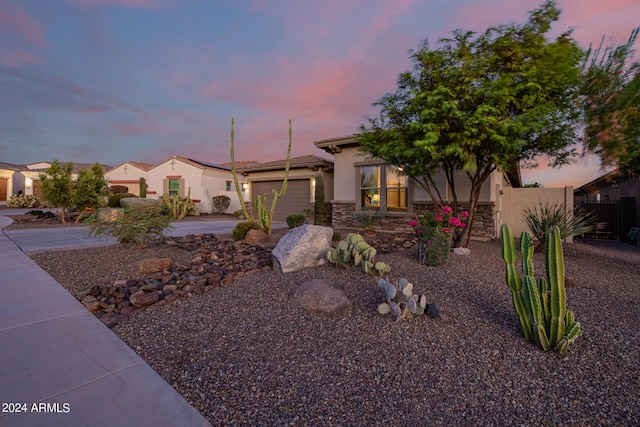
[(607, 213)]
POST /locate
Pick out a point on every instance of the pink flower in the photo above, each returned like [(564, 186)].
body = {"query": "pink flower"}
[(454, 222), (439, 218), (447, 210), (463, 225), (464, 214), (413, 223), (446, 229), (428, 242)]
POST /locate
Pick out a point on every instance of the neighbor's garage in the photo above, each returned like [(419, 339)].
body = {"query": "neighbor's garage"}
[(295, 200)]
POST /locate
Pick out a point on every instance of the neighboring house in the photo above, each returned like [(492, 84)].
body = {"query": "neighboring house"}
[(128, 174), (26, 178), (12, 181), (615, 199), (304, 172), (363, 183), (200, 180)]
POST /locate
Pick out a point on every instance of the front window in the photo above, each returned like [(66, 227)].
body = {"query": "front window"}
[(227, 186), (382, 187), (174, 186), (370, 187)]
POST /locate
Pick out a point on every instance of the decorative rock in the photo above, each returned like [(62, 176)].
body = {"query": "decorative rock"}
[(461, 251), (91, 303), (303, 247), (256, 237), (321, 298), (153, 265), (141, 299)]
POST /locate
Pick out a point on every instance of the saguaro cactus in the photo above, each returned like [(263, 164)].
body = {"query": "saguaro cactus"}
[(540, 303)]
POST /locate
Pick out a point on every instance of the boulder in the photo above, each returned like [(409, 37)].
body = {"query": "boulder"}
[(256, 237), (321, 298), (153, 265), (302, 247)]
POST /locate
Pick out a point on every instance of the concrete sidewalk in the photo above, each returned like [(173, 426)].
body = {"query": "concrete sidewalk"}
[(61, 366)]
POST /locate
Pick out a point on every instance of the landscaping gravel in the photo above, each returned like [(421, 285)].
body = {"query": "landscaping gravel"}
[(242, 355)]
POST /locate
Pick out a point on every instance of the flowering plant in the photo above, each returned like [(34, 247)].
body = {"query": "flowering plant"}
[(443, 221)]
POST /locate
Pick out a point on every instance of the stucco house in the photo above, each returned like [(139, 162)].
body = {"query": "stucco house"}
[(615, 199), (128, 174), (304, 174), (12, 181), (199, 179)]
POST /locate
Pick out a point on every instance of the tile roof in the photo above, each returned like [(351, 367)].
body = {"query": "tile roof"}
[(310, 161)]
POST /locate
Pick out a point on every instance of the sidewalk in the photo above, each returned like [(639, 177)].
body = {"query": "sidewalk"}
[(60, 366)]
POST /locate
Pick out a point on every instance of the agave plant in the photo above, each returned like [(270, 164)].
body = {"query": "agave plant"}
[(540, 219)]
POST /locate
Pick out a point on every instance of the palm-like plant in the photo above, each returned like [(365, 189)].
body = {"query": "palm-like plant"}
[(570, 223)]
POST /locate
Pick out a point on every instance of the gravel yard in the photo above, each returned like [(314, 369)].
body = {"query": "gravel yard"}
[(242, 355)]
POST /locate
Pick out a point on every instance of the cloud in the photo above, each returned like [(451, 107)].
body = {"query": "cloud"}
[(14, 19)]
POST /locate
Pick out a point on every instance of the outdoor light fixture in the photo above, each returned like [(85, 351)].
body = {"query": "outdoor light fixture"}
[(245, 186)]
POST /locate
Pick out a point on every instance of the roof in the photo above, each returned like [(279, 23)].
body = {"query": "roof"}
[(311, 161), (335, 145), (12, 167), (241, 164), (200, 164), (602, 181), (144, 166)]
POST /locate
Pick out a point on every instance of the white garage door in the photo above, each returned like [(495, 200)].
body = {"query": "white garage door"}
[(295, 200)]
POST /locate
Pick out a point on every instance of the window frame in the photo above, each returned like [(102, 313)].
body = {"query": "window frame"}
[(383, 188)]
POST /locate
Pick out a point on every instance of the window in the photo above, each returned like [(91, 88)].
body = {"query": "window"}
[(174, 186), (227, 186), (381, 187)]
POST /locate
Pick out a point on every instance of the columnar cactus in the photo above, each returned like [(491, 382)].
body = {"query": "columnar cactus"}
[(355, 252), (540, 303), (401, 300)]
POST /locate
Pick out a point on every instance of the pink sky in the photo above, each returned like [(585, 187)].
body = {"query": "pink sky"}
[(142, 80)]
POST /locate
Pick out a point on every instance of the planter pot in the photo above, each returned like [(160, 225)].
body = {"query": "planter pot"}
[(434, 247)]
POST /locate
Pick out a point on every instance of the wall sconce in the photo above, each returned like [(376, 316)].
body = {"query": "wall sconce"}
[(313, 182), (28, 182), (245, 186)]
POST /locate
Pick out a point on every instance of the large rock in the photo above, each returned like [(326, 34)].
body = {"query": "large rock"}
[(303, 247), (256, 237), (321, 298), (153, 265)]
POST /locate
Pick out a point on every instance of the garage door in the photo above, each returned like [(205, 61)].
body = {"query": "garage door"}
[(295, 200)]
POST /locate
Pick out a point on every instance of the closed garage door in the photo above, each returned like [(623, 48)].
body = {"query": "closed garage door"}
[(294, 201)]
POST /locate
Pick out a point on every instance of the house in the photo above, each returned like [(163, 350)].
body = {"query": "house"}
[(12, 181), (199, 179), (615, 199), (305, 174), (128, 174), (371, 183), (26, 178)]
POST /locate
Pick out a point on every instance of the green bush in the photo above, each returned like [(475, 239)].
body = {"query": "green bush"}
[(114, 199), (221, 203), (23, 201), (42, 215), (242, 228), (136, 225), (295, 220), (540, 219)]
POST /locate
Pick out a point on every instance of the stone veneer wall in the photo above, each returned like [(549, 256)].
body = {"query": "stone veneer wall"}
[(484, 224)]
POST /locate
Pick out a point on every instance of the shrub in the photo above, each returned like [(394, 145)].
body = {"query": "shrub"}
[(118, 189), (367, 217), (336, 236), (179, 207), (239, 213), (114, 199), (136, 225), (23, 201), (540, 219), (221, 203), (295, 220), (242, 228)]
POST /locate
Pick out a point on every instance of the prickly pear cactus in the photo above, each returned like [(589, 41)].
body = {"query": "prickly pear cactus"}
[(354, 252), (541, 304), (400, 299)]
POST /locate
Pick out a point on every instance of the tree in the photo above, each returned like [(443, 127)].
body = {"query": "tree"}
[(56, 186), (480, 103), (611, 91), (90, 190)]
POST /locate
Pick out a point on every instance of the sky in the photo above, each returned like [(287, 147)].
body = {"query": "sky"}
[(111, 81)]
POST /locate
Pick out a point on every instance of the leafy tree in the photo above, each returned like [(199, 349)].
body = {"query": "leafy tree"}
[(90, 190), (533, 185), (611, 90), (479, 103), (56, 186)]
